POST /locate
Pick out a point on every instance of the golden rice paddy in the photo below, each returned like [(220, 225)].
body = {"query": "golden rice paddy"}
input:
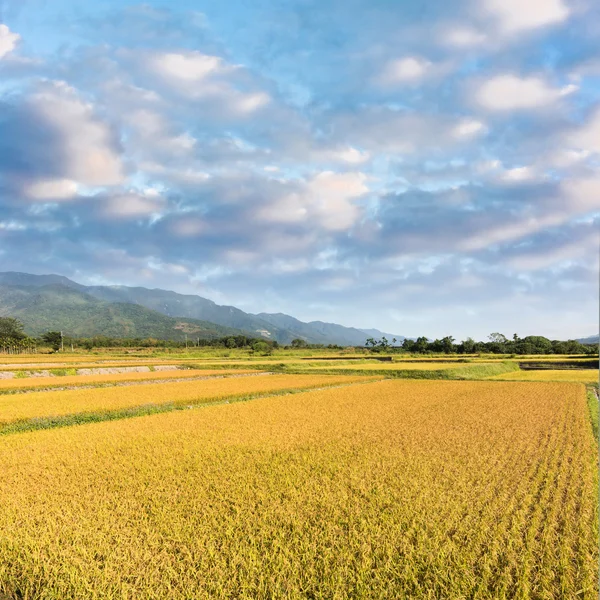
[(576, 375), (33, 405), (393, 489)]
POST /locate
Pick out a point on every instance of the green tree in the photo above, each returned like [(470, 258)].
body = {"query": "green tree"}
[(421, 344), (11, 328), (299, 343), (54, 338), (262, 348), (468, 346), (448, 344)]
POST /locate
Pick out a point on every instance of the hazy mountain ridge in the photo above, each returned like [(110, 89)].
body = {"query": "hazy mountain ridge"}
[(592, 339), (280, 327), (319, 330), (59, 307)]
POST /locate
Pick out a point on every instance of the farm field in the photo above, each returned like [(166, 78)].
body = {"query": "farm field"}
[(385, 489), (52, 404), (88, 365), (577, 375), (32, 383)]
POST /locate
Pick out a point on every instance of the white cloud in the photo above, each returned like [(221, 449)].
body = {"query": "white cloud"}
[(409, 69), (8, 40), (518, 174), (327, 198), (153, 135), (249, 103), (509, 92), (133, 205), (188, 226), (189, 66), (85, 143), (207, 78), (463, 37), (587, 137), (51, 189), (582, 195), (567, 158), (468, 128), (350, 155), (506, 232), (515, 16)]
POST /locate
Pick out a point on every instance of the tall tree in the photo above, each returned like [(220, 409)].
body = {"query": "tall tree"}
[(11, 328)]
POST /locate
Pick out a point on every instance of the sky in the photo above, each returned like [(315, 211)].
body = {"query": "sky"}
[(425, 168)]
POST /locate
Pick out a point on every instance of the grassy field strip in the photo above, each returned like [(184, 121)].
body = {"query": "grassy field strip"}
[(575, 375), (392, 366), (462, 372), (35, 405), (395, 489), (593, 406), (11, 386)]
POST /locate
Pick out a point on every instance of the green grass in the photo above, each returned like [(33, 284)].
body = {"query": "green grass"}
[(593, 408), (473, 371), (63, 372)]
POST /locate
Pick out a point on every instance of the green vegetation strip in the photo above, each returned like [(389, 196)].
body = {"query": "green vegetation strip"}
[(592, 399), (53, 422), (470, 372)]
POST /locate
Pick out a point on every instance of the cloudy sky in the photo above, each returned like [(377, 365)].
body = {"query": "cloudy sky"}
[(425, 167)]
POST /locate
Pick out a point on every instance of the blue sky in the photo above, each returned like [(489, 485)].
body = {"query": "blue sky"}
[(426, 168)]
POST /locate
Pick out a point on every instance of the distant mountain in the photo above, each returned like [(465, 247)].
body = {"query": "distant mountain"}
[(60, 307), (593, 339), (178, 307), (375, 333), (324, 333)]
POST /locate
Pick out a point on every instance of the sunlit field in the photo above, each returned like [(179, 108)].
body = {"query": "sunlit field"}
[(414, 489), (580, 375), (16, 408)]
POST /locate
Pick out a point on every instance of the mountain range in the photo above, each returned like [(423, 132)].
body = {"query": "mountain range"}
[(593, 339), (52, 302)]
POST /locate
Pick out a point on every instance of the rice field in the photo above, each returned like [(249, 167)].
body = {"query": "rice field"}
[(33, 383), (389, 489), (338, 484), (575, 375), (35, 405)]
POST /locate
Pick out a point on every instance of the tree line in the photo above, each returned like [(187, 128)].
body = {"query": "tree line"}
[(13, 340), (497, 343)]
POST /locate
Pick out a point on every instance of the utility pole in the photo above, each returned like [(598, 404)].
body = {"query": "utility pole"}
[(186, 341), (62, 342)]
